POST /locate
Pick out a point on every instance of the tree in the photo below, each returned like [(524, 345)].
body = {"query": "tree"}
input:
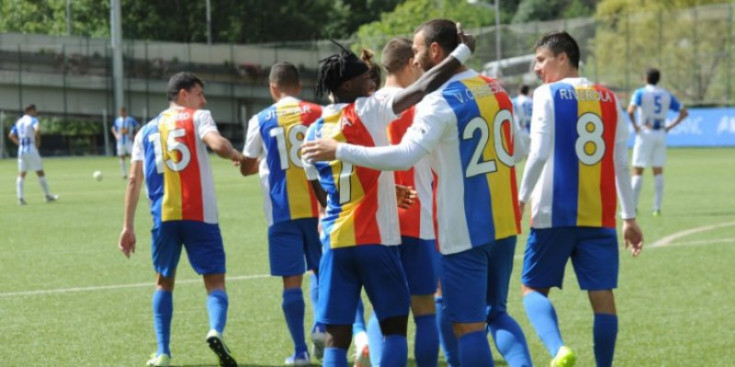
[(685, 42)]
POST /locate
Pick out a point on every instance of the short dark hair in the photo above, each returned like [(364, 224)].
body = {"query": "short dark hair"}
[(559, 42), (523, 89), (441, 31), (179, 81), (653, 75), (396, 54), (284, 74), (29, 108)]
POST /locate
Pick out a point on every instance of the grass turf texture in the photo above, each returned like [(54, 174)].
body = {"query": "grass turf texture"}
[(68, 297)]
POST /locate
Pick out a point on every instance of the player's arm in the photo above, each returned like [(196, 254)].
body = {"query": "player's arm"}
[(631, 114), (222, 147), (13, 137), (683, 113), (321, 195), (540, 144), (37, 133), (126, 243), (252, 149), (436, 76), (113, 129), (631, 232)]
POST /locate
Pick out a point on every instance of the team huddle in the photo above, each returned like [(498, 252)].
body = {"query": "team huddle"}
[(409, 192)]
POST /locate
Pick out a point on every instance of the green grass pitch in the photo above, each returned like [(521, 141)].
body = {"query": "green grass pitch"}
[(68, 297)]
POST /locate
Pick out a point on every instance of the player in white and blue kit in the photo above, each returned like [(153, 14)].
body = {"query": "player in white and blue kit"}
[(26, 133), (654, 104), (522, 110), (124, 130)]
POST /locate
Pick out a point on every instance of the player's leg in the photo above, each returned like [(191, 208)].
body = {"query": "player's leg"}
[(374, 350), (506, 332), (166, 251), (658, 161), (206, 253), (36, 164), (417, 259), (546, 254), (464, 284), (286, 255), (121, 154), (596, 264), (313, 254), (385, 284), (447, 340), (339, 292), (641, 158), (22, 168)]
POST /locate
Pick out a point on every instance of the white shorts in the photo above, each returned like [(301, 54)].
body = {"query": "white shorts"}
[(29, 161), (124, 149), (649, 148)]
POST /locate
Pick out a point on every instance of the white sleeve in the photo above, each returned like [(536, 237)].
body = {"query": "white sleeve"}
[(137, 154), (376, 111), (204, 123), (253, 142), (311, 172), (543, 112), (388, 158), (622, 173)]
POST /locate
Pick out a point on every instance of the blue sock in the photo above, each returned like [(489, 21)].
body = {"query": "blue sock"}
[(163, 310), (446, 334), (474, 350), (375, 340), (293, 309), (217, 303), (426, 344), (542, 316), (334, 357), (509, 340), (395, 351), (359, 324), (605, 331), (314, 293)]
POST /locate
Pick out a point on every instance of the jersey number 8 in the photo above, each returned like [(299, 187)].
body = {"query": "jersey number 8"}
[(590, 147), (295, 137)]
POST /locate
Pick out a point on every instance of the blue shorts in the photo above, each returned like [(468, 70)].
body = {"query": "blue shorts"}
[(594, 254), (417, 257), (344, 271), (292, 242), (202, 241), (475, 281)]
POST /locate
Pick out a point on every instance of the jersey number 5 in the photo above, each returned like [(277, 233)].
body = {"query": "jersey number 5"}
[(476, 166), (172, 145)]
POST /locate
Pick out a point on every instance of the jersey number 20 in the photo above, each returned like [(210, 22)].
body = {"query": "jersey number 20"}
[(476, 166)]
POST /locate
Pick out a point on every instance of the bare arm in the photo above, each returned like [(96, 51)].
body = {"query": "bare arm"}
[(433, 78), (222, 147), (631, 114), (37, 133), (319, 192), (126, 243), (14, 138), (249, 166), (114, 132), (683, 113)]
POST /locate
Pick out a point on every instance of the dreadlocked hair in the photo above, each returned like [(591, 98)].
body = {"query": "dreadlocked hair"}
[(337, 69)]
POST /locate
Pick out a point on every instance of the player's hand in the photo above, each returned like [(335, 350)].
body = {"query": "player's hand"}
[(126, 244), (236, 158), (406, 196), (633, 236), (324, 149), (637, 128), (467, 39)]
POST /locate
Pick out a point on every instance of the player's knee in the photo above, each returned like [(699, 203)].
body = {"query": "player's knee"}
[(396, 325), (339, 336), (423, 305), (293, 281), (461, 328)]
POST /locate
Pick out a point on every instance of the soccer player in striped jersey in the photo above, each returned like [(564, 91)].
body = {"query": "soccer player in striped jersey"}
[(124, 130), (417, 249), (274, 139), (466, 127), (577, 160), (361, 222), (171, 153), (26, 133), (654, 103), (522, 110)]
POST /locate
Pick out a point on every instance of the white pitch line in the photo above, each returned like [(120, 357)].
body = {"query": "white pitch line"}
[(704, 242), (673, 237), (119, 286)]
